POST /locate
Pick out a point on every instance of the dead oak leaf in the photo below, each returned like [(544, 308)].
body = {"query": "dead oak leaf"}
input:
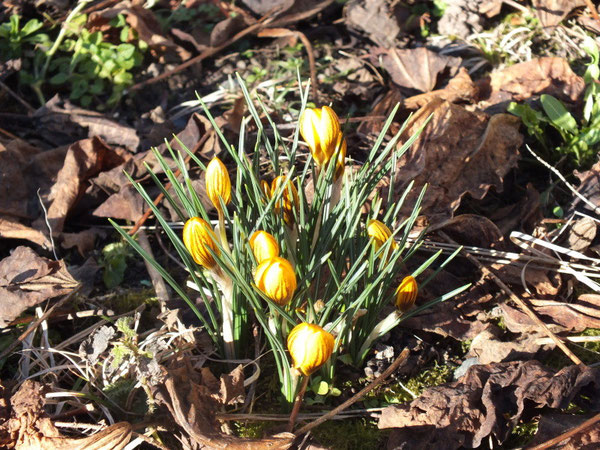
[(10, 229), (552, 12), (28, 427), (488, 400), (548, 75), (27, 279), (416, 68), (458, 152)]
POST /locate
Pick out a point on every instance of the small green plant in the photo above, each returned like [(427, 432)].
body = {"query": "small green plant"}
[(579, 141), (15, 41), (114, 262)]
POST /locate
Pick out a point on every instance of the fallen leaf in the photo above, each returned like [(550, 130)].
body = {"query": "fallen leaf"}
[(523, 215), (193, 397), (589, 187), (488, 400), (84, 160), (581, 234), (560, 316), (552, 425), (225, 29), (416, 68), (262, 7), (488, 347), (127, 204), (14, 230), (29, 427), (93, 346), (547, 75), (461, 18), (27, 279), (458, 152), (552, 12), (374, 18), (84, 240), (471, 230), (459, 89)]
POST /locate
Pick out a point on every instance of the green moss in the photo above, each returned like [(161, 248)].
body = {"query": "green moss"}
[(350, 434), (521, 434), (588, 352), (251, 429)]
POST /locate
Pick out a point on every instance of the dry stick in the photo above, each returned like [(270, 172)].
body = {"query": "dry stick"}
[(360, 394), (37, 323), (487, 272), (263, 22), (27, 106), (297, 403), (573, 431), (160, 196), (311, 65)]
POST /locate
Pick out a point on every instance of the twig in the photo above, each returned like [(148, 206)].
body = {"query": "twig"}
[(37, 323), (487, 272), (297, 403), (573, 431), (356, 397), (592, 9), (27, 106), (314, 86), (160, 196)]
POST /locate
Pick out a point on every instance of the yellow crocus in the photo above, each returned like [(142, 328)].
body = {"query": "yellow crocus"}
[(340, 164), (320, 128), (289, 198), (406, 294), (276, 278), (218, 184), (310, 347), (380, 233), (263, 245), (199, 237)]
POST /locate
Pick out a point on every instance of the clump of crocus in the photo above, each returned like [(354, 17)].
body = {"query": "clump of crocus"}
[(276, 278), (380, 233), (218, 184), (320, 128), (406, 294), (263, 245), (199, 237), (289, 200)]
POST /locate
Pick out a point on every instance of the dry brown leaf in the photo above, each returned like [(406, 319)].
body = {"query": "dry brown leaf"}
[(581, 234), (458, 152), (193, 398), (84, 240), (262, 7), (374, 18), (589, 187), (29, 428), (552, 425), (459, 89), (552, 12), (84, 160), (488, 347), (548, 75), (488, 400), (576, 316), (416, 68), (27, 279), (14, 230)]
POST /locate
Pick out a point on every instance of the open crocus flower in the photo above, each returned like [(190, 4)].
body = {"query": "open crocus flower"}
[(198, 238), (380, 233), (320, 128), (218, 185), (263, 245), (310, 347), (289, 198), (276, 278), (406, 294)]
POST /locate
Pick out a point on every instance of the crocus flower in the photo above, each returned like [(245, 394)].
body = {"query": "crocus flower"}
[(380, 233), (199, 237), (406, 294), (320, 128), (263, 245), (218, 185), (310, 347), (276, 278)]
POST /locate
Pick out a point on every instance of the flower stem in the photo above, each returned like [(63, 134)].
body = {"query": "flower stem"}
[(297, 404)]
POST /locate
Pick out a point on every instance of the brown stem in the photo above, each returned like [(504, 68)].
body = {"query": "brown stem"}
[(297, 404), (487, 272), (356, 397)]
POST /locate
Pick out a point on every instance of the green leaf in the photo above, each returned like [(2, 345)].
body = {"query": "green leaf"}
[(124, 34), (123, 78), (125, 50), (323, 388), (558, 114), (59, 78), (31, 27)]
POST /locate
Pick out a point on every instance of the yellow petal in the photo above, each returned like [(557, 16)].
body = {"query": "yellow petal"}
[(198, 238), (310, 347), (406, 294), (380, 233), (218, 185), (263, 245), (289, 199), (320, 129), (276, 278)]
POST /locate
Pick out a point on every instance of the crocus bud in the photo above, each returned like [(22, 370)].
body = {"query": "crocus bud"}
[(198, 237), (263, 245), (276, 278), (320, 128), (265, 188), (218, 184), (380, 233), (289, 199), (310, 347), (406, 294)]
